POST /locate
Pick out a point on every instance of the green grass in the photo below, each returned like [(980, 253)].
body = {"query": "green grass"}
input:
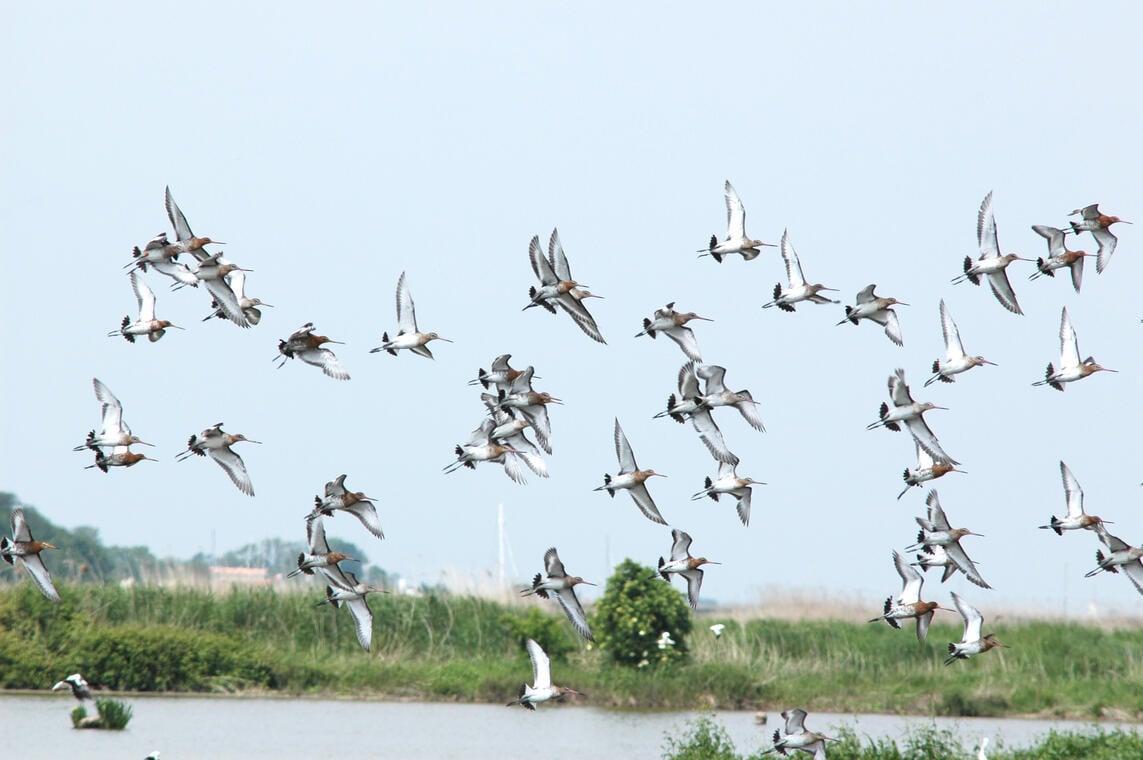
[(466, 649)]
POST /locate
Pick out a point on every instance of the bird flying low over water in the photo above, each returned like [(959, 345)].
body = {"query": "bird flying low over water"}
[(542, 688), (1099, 225), (356, 503), (1058, 256), (1071, 368), (557, 288), (631, 479), (927, 469), (728, 482), (876, 309), (146, 324), (673, 324), (910, 412), (971, 642), (908, 603), (796, 736), (736, 240), (78, 686), (216, 443), (991, 264), (683, 564), (27, 550), (555, 580), (1077, 519), (307, 346), (408, 336), (936, 531), (797, 289), (956, 360)]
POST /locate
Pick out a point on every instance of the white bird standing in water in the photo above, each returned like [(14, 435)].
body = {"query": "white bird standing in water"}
[(542, 688), (408, 336), (736, 240)]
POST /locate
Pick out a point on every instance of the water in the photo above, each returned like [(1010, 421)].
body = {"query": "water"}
[(227, 727)]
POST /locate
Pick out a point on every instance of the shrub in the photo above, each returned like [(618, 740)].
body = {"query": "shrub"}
[(702, 739), (552, 633), (636, 609)]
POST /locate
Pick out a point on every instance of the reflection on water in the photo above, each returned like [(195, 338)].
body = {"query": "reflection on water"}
[(205, 727)]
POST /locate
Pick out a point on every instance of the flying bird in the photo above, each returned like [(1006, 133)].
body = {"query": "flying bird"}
[(736, 240), (146, 324), (956, 360), (542, 688), (673, 324), (216, 443), (345, 589), (715, 393), (797, 289), (684, 565), (991, 264), (1099, 225), (481, 448), (876, 309), (927, 469), (27, 550), (936, 531), (77, 685), (689, 404), (319, 554), (113, 431), (1058, 256), (1077, 519), (408, 336), (557, 290), (1120, 555), (1071, 368), (555, 581), (728, 482), (908, 603), (910, 412), (798, 737), (971, 642), (356, 503), (249, 306), (307, 346), (631, 479)]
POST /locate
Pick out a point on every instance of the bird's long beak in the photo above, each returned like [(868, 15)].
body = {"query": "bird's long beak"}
[(446, 340), (704, 319), (49, 546), (144, 443), (266, 304), (970, 533), (900, 303), (180, 328), (247, 440), (834, 290)]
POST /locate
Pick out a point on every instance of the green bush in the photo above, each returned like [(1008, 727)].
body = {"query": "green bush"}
[(113, 714), (702, 739), (552, 633), (636, 609)]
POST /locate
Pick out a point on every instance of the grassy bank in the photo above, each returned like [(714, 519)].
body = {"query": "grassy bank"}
[(459, 648)]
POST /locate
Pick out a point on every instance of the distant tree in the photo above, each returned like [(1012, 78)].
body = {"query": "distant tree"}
[(637, 608)]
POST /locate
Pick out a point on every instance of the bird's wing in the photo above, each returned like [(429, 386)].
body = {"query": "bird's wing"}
[(924, 461), (1113, 543), (927, 439), (961, 559), (578, 312), (888, 319), (180, 273), (910, 578), (793, 266), (112, 421), (937, 517), (178, 221), (21, 533), (39, 573), (574, 610), (1072, 490), (1054, 236), (685, 337), (865, 295), (513, 469), (646, 504), (1069, 344), (923, 625), (552, 565), (1076, 268), (237, 280), (1002, 289), (708, 431), (367, 513), (898, 389), (795, 721), (986, 229), (337, 577), (523, 381), (541, 665), (227, 301), (500, 363), (743, 507), (694, 583), (1107, 242), (557, 258), (324, 358), (406, 314), (336, 487), (954, 348), (540, 265), (714, 376), (623, 450), (973, 620), (144, 297), (688, 383), (1134, 571), (362, 619), (234, 467), (681, 548), (537, 415), (315, 536), (735, 213), (749, 411)]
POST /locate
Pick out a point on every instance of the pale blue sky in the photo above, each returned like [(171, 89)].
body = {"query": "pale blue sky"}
[(335, 148)]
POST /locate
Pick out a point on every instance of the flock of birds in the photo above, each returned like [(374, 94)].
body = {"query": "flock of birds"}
[(513, 408)]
